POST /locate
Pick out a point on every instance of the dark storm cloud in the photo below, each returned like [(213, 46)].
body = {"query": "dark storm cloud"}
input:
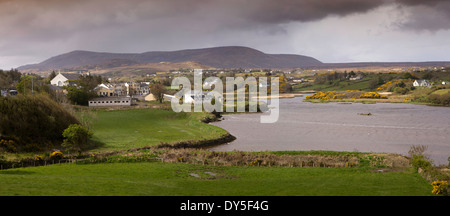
[(43, 28), (45, 19), (430, 15), (307, 10), (49, 20)]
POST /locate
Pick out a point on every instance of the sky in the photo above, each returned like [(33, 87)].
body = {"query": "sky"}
[(32, 31)]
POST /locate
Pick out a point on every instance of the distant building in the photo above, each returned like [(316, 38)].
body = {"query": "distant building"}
[(105, 90), (111, 101), (64, 79), (192, 97), (57, 89), (149, 97), (445, 82), (421, 83), (122, 89), (137, 88), (358, 77)]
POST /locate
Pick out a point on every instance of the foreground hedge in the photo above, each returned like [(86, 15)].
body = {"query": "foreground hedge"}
[(32, 122)]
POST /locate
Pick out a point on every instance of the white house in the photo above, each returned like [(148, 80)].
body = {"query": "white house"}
[(445, 82), (421, 83), (193, 97), (64, 79)]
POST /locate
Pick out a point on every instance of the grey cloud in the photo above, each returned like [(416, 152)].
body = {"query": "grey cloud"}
[(49, 27), (32, 18), (432, 15)]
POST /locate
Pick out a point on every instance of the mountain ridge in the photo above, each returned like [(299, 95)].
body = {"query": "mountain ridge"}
[(214, 57), (218, 57)]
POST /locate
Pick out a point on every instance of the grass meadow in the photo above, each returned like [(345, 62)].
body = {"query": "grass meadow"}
[(134, 128), (181, 179)]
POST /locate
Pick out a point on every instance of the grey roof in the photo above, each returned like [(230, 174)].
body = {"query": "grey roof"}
[(422, 81), (110, 98), (71, 76), (55, 88)]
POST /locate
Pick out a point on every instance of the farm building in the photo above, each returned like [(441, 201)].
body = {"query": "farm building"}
[(111, 101)]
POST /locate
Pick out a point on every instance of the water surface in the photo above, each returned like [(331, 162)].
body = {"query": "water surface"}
[(392, 127)]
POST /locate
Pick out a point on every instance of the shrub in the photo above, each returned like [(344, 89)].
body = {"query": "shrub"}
[(56, 155), (440, 187), (419, 161), (76, 137), (38, 158), (400, 90), (437, 99), (370, 95), (325, 95), (33, 121), (8, 145)]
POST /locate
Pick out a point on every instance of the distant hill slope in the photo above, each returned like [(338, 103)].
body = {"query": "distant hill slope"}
[(218, 57)]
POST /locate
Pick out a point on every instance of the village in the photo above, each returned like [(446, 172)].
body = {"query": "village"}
[(113, 93)]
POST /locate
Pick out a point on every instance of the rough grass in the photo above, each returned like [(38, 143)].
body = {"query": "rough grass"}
[(181, 179), (362, 85), (441, 91)]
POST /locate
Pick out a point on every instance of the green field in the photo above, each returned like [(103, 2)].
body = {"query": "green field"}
[(178, 179), (362, 85), (134, 128), (441, 91)]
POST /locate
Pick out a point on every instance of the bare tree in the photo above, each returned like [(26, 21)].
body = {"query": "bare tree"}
[(158, 90)]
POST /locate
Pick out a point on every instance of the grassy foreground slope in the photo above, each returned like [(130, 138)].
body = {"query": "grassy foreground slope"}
[(178, 179)]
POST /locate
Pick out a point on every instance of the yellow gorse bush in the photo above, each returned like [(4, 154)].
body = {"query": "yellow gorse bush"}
[(38, 158), (439, 187), (370, 95), (389, 84), (56, 155), (333, 95), (325, 95)]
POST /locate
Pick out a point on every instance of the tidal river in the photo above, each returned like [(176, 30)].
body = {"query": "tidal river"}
[(391, 128)]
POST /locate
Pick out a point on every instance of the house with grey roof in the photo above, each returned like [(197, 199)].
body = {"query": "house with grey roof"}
[(63, 79), (421, 83)]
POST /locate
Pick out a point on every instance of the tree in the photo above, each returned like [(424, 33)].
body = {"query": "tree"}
[(158, 90), (9, 79), (51, 76), (76, 138), (78, 96), (84, 89)]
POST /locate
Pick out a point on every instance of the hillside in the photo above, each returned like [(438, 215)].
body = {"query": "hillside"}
[(218, 57)]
